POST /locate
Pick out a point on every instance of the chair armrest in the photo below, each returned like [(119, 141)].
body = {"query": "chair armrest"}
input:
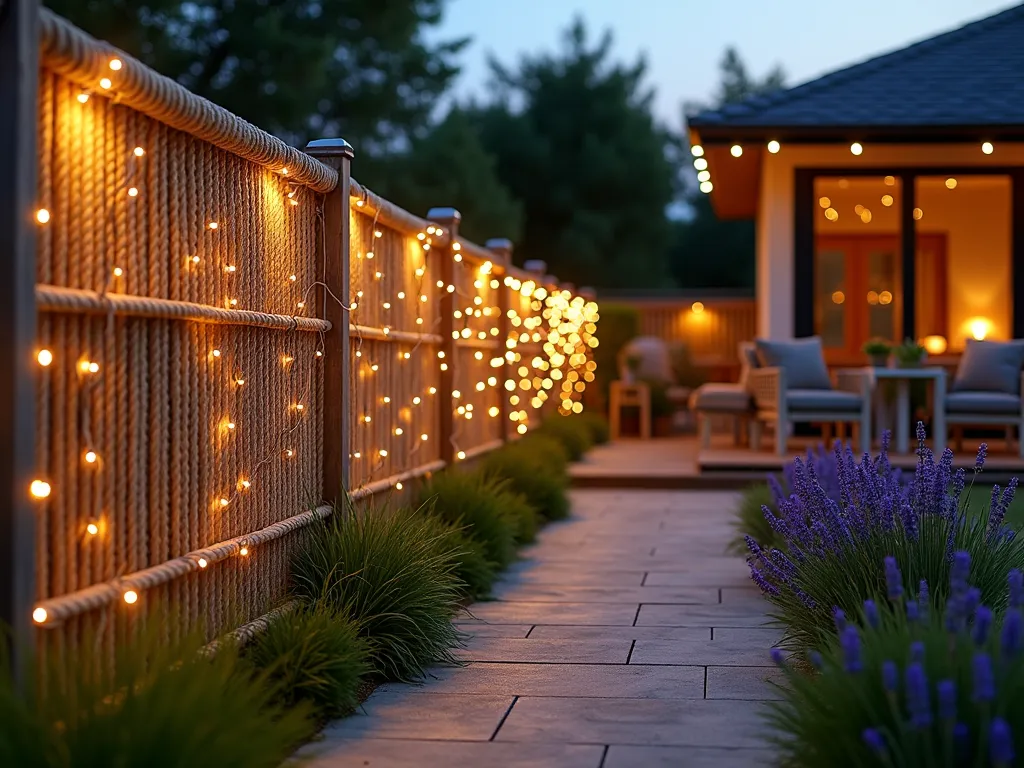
[(768, 388), (860, 382)]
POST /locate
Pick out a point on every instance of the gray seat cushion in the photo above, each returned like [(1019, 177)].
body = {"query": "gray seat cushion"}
[(983, 402), (802, 360), (990, 366), (723, 398), (822, 400)]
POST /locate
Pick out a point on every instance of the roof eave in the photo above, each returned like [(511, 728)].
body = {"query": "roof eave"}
[(723, 133)]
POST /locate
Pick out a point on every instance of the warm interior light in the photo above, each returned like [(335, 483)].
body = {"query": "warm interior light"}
[(824, 202), (774, 146), (980, 327), (697, 307), (735, 150), (856, 148), (950, 183), (40, 489), (886, 200), (934, 345), (832, 214), (987, 147), (918, 214), (838, 297)]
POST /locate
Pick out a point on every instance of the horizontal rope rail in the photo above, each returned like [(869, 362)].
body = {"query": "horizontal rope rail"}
[(61, 608), (389, 482), (83, 59), (369, 332), (479, 450), (246, 633), (472, 343), (477, 254), (55, 298), (389, 215)]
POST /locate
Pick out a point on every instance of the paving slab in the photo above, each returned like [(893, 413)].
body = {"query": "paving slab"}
[(595, 651), (533, 572), (569, 632), (578, 680), (383, 753), (702, 616), (704, 652), (549, 613), (540, 593), (640, 722), (768, 637), (401, 714), (686, 757), (479, 630), (749, 683)]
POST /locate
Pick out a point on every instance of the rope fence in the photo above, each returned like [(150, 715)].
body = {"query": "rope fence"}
[(185, 423)]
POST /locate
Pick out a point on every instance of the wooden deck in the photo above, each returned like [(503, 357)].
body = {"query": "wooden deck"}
[(679, 463)]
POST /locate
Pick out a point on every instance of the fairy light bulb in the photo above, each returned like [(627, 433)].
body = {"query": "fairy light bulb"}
[(423, 436), (131, 597), (398, 486), (39, 489), (461, 455), (91, 457), (244, 484), (398, 430), (106, 83), (289, 453), (138, 151), (39, 616), (83, 97), (223, 502), (115, 64), (201, 562), (383, 453), (44, 357), (244, 551), (92, 529), (416, 400), (133, 191)]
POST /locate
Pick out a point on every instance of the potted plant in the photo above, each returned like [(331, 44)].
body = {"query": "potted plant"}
[(661, 409), (909, 354), (633, 362), (878, 352)]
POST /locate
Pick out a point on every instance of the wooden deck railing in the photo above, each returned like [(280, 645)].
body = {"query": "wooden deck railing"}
[(231, 334)]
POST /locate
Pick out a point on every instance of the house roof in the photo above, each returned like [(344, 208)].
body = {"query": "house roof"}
[(970, 77)]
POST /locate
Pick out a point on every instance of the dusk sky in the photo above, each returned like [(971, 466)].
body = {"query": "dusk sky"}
[(684, 39)]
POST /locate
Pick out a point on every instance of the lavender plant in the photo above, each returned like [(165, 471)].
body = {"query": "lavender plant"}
[(909, 681), (833, 536)]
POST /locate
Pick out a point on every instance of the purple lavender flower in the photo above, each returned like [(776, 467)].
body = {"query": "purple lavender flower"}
[(979, 463), (917, 651), (959, 572), (982, 624), (893, 579), (753, 546), (890, 676), (971, 601), (766, 586), (917, 696), (1000, 743), (816, 661), (923, 599), (1016, 580), (947, 699), (778, 657), (871, 614), (984, 681), (1012, 638), (839, 617), (920, 434), (874, 740), (960, 734), (913, 612), (850, 641)]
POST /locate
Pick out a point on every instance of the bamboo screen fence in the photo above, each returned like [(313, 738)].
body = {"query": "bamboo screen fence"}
[(229, 331)]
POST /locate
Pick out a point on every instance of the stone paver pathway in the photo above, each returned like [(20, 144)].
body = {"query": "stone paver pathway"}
[(625, 638)]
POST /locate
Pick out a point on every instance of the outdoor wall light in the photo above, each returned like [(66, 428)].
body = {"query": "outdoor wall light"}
[(774, 146), (934, 344), (980, 327), (736, 150)]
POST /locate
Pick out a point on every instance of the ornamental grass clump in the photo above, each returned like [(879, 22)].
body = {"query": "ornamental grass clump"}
[(393, 573), (157, 703), (830, 548), (535, 468), (314, 654), (571, 432), (911, 681)]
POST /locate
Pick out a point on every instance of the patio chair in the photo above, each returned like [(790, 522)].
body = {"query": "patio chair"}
[(727, 400), (792, 385), (987, 387)]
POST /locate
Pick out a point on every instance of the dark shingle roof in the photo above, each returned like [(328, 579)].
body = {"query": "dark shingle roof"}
[(971, 76)]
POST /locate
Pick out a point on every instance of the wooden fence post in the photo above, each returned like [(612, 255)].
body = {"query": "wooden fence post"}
[(503, 248), (19, 51), (449, 218), (333, 250)]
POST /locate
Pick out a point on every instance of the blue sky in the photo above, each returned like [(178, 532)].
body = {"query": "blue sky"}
[(684, 39)]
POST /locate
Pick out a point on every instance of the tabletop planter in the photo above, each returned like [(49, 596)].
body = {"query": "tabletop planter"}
[(878, 352), (909, 354)]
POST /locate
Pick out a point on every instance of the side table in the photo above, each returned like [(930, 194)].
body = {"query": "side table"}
[(903, 377), (624, 395)]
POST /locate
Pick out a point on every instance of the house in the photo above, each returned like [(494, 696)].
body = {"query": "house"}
[(888, 196)]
